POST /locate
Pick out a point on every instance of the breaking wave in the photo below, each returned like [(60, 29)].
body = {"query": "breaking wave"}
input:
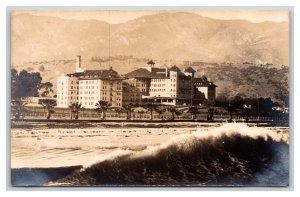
[(232, 154)]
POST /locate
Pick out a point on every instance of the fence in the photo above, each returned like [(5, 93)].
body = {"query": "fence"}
[(87, 114)]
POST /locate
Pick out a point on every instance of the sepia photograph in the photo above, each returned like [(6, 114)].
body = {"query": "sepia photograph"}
[(190, 98)]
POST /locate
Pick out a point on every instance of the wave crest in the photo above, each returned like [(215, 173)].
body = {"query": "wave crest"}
[(231, 154)]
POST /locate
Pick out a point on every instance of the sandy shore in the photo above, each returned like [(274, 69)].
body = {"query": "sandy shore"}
[(71, 147), (42, 146)]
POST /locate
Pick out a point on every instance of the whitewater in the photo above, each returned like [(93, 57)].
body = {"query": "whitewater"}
[(229, 154)]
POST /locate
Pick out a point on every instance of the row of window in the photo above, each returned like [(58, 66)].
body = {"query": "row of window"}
[(158, 80), (160, 90), (94, 103), (163, 95), (98, 81), (73, 82), (75, 87), (89, 82)]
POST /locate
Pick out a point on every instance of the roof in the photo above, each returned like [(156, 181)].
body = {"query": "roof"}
[(151, 62), (139, 73), (156, 73), (190, 70), (203, 82), (144, 73), (97, 74), (174, 68)]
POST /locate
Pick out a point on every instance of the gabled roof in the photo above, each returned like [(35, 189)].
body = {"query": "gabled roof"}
[(139, 73), (145, 73), (174, 68), (96, 74), (190, 70)]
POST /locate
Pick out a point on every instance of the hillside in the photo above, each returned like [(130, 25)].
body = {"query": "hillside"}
[(252, 81), (177, 36), (246, 80)]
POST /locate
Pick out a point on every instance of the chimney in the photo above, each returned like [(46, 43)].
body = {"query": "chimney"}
[(78, 64), (166, 71)]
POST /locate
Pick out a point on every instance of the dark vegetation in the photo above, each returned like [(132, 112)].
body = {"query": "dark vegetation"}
[(249, 81)]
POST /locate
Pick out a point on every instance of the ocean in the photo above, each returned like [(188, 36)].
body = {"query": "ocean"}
[(229, 154)]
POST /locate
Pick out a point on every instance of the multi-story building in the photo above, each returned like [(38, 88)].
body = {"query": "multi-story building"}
[(88, 87), (206, 87), (169, 86)]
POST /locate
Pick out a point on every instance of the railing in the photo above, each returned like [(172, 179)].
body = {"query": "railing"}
[(64, 114)]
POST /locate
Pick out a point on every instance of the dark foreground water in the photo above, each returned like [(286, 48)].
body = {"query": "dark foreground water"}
[(226, 156)]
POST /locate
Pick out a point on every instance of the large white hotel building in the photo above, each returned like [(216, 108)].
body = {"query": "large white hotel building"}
[(88, 87), (169, 86)]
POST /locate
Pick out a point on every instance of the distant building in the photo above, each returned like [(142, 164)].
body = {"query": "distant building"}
[(35, 101), (88, 87), (169, 86), (208, 88)]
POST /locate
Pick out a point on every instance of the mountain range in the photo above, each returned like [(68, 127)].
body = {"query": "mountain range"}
[(173, 36)]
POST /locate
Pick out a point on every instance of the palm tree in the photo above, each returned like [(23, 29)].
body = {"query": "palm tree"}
[(210, 114), (246, 111), (102, 107), (231, 109), (19, 107), (194, 111), (75, 109), (178, 113), (118, 110), (174, 112), (129, 109), (151, 107), (160, 111), (49, 105), (141, 112)]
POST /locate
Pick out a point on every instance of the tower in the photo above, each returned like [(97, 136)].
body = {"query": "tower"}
[(78, 64), (151, 63)]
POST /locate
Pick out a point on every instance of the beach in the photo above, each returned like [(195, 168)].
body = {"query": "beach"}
[(43, 147)]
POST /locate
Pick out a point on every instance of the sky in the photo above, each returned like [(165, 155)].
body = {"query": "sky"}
[(121, 16)]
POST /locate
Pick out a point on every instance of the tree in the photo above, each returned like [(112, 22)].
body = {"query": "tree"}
[(118, 110), (129, 109), (140, 112), (46, 89), (18, 107), (210, 114), (231, 108), (178, 113), (49, 105), (160, 111), (24, 84), (246, 111), (174, 112), (102, 106), (75, 109), (194, 111), (150, 107)]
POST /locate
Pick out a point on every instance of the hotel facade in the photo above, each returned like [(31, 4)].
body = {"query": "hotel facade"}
[(88, 87), (168, 86)]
